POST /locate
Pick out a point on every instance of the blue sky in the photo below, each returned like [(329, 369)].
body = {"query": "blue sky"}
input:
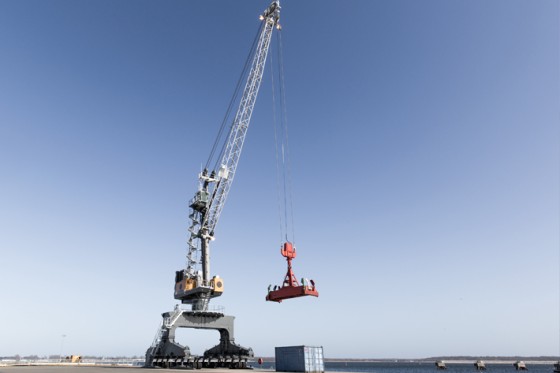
[(425, 156)]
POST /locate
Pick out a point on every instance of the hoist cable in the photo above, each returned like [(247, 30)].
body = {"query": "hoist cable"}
[(275, 125), (284, 118), (284, 180), (232, 102), (244, 73)]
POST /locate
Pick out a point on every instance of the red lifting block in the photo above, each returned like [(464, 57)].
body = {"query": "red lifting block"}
[(288, 250), (291, 287)]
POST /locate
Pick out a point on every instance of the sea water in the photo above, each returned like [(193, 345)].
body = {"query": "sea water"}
[(419, 367)]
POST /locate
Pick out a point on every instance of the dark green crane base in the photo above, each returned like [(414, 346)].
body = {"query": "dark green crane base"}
[(167, 353)]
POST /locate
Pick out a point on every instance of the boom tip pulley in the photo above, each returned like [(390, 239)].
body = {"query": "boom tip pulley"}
[(272, 13)]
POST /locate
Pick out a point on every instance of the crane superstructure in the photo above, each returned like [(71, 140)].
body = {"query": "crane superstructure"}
[(193, 286)]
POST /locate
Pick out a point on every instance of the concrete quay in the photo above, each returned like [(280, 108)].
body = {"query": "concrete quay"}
[(108, 369)]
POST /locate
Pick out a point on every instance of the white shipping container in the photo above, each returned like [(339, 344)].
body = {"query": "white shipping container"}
[(306, 359)]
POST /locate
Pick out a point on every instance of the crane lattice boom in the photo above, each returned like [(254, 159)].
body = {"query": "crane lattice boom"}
[(193, 286), (228, 164)]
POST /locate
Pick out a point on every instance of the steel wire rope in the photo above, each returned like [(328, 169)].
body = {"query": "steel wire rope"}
[(232, 102), (284, 116), (278, 192), (197, 253), (244, 73)]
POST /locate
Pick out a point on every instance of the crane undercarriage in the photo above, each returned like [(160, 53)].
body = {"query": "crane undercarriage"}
[(165, 352)]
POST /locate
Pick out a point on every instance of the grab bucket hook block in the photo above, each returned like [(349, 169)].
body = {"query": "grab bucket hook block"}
[(291, 288)]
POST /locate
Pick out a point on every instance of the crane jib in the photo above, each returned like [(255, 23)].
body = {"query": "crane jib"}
[(230, 159), (193, 286)]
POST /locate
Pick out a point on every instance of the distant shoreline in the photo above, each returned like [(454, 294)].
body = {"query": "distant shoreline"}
[(447, 361), (450, 360)]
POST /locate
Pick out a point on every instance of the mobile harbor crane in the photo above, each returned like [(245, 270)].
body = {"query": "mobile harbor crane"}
[(194, 285)]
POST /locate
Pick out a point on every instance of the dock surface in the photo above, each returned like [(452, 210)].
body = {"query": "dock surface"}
[(101, 369)]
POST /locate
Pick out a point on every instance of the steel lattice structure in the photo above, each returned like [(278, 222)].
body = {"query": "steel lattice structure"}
[(209, 201), (230, 159)]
